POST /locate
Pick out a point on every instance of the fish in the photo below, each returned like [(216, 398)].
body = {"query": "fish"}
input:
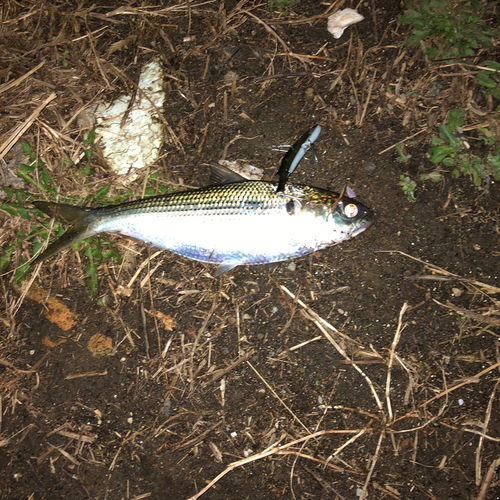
[(230, 223)]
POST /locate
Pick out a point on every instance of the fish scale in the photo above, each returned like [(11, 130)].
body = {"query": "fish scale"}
[(244, 222)]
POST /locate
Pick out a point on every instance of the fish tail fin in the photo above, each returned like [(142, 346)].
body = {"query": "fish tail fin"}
[(68, 214), (79, 219)]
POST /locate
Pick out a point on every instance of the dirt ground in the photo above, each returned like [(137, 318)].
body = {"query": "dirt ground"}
[(375, 377)]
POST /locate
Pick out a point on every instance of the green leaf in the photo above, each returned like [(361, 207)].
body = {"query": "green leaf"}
[(478, 172), (10, 209), (112, 254), (436, 141), (418, 36), (456, 119), (432, 176), (408, 186), (449, 137), (89, 141), (484, 80), (410, 17), (102, 192), (91, 270), (493, 65), (494, 163), (439, 153), (27, 149), (21, 271), (26, 169), (5, 258), (36, 246), (8, 191), (23, 212), (46, 180), (86, 169), (431, 52)]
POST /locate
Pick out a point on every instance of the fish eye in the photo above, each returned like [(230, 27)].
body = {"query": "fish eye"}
[(351, 210)]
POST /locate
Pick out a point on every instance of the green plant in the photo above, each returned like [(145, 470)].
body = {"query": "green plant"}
[(490, 80), (434, 176), (280, 5), (65, 62), (16, 207), (98, 250), (402, 157), (89, 141), (449, 28), (493, 161), (408, 186), (36, 172), (452, 152)]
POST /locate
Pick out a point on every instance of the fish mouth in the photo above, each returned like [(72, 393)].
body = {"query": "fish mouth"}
[(365, 224)]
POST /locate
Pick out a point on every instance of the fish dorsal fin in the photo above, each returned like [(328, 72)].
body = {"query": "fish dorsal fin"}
[(223, 175)]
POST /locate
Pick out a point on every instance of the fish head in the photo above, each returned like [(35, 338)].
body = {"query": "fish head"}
[(350, 217)]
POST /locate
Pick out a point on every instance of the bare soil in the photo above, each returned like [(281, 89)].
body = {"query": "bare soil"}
[(163, 411)]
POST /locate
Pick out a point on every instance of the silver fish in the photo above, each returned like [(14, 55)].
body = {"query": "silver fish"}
[(231, 224)]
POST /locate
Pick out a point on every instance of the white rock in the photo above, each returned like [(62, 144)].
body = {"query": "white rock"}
[(137, 143), (339, 21)]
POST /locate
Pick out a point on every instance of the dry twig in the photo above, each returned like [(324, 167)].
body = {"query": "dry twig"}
[(271, 450)]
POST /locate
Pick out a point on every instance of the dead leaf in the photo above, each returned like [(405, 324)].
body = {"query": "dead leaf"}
[(100, 345), (47, 342), (168, 322)]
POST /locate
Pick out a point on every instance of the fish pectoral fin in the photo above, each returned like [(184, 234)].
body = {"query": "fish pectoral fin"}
[(224, 267)]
